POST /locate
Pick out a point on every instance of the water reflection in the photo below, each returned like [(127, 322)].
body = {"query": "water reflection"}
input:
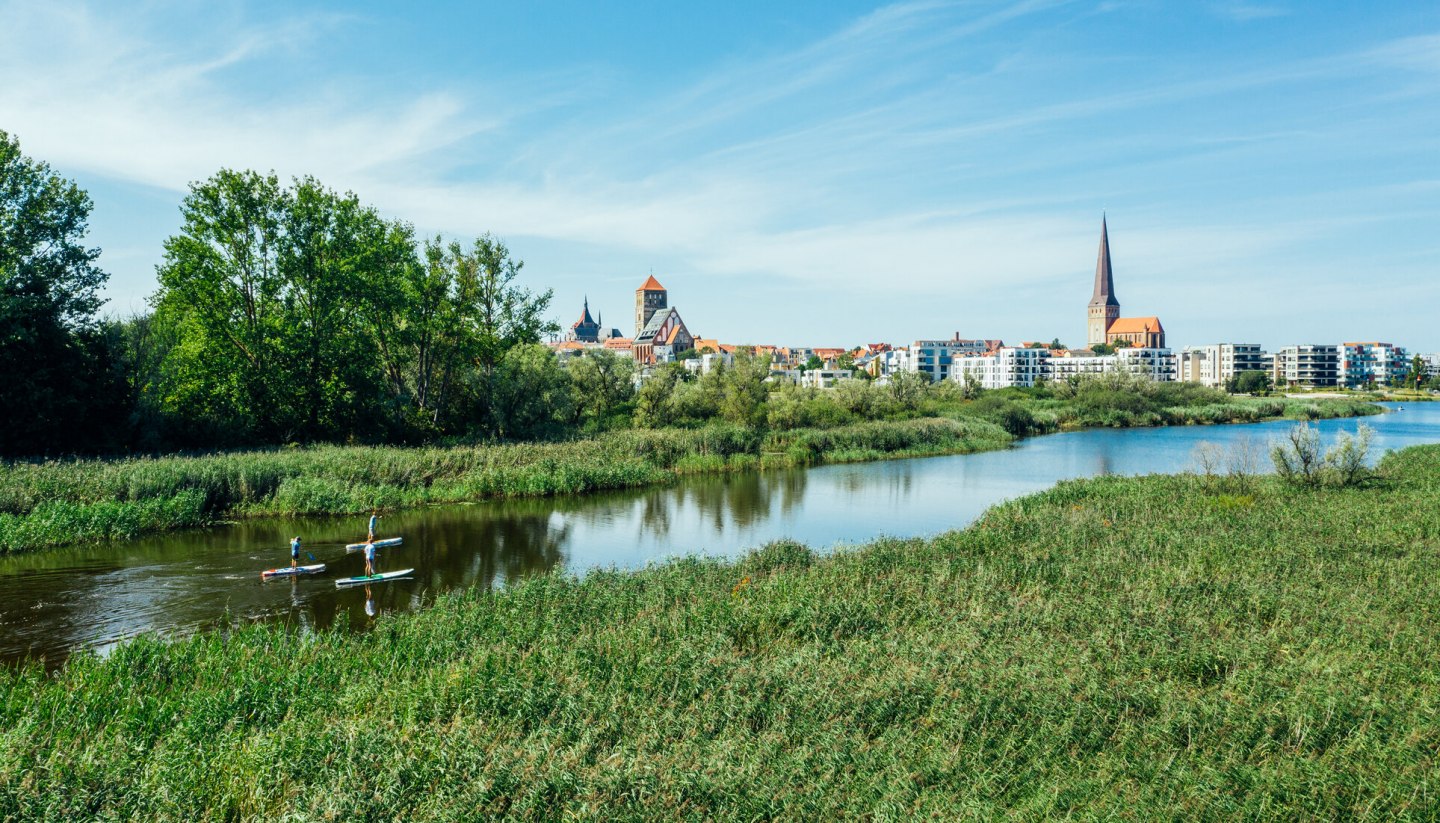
[(56, 601)]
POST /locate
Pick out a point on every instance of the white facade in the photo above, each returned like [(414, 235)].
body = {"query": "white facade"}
[(824, 378), (1361, 365), (1002, 368), (1011, 366), (1216, 364)]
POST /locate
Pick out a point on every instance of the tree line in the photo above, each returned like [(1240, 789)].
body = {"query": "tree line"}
[(284, 313)]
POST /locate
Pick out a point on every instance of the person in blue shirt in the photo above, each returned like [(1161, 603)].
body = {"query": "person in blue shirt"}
[(369, 559), (374, 516), (295, 552)]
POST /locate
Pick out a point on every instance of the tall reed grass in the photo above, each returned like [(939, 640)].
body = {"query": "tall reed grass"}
[(1138, 648), (44, 504)]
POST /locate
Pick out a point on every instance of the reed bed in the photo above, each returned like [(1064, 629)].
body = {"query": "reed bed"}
[(1153, 648), (46, 504)]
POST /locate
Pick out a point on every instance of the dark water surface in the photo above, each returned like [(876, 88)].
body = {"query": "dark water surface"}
[(56, 601)]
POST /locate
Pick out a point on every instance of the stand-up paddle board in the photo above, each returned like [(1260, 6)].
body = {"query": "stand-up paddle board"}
[(374, 578), (379, 544), (286, 571)]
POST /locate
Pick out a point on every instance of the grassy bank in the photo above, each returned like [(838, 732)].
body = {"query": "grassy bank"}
[(46, 504), (1161, 647)]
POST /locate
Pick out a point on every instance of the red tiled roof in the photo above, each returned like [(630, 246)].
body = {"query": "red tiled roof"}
[(1135, 325), (651, 285), (618, 343)]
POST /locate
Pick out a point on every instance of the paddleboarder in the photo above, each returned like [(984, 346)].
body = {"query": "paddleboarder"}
[(374, 516), (369, 559), (295, 552)]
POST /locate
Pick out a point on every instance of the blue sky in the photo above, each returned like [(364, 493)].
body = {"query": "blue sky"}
[(822, 173)]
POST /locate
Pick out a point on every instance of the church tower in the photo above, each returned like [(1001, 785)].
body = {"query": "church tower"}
[(1104, 308), (649, 299)]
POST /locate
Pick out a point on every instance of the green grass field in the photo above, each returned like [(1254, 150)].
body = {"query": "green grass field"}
[(1137, 648)]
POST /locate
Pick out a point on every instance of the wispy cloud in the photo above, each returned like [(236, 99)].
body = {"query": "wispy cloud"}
[(933, 149)]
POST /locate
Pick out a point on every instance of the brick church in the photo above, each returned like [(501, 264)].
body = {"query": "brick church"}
[(660, 334), (1105, 323)]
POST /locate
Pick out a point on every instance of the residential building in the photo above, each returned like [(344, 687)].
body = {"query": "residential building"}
[(1216, 364), (1002, 368), (933, 358), (1157, 364), (1362, 365), (1315, 366), (824, 378)]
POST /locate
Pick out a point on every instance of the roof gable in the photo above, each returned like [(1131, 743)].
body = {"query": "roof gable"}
[(1136, 325)]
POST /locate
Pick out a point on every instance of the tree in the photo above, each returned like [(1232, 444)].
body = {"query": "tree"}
[(742, 389), (1417, 371), (603, 381), (655, 403), (1254, 382), (534, 393), (813, 363), (1102, 348), (1056, 345), (272, 291), (505, 316), (53, 360), (906, 388)]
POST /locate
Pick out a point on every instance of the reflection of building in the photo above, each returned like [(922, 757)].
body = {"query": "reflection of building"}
[(661, 334), (1104, 323)]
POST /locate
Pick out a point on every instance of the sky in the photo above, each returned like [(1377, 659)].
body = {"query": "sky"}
[(799, 173)]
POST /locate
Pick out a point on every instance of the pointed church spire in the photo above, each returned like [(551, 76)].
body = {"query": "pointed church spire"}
[(1104, 280)]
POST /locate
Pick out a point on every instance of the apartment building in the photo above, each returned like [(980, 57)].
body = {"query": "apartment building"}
[(1004, 367), (1216, 364), (1315, 366), (1361, 365)]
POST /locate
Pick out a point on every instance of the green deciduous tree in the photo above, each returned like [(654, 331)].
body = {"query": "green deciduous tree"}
[(603, 382), (273, 291), (53, 361)]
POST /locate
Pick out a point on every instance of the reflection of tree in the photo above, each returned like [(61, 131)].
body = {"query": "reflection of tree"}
[(470, 546)]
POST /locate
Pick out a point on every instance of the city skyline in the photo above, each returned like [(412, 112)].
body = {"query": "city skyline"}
[(824, 174)]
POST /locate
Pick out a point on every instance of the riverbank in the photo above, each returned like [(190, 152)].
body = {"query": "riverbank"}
[(63, 502), (1160, 646)]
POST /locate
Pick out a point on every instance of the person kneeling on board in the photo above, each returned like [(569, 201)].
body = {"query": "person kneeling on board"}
[(295, 552)]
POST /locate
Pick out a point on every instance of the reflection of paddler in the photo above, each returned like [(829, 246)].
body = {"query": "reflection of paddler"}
[(369, 603)]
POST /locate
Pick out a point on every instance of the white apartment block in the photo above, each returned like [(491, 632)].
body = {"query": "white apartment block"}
[(1316, 366), (824, 378), (1011, 366), (1361, 365), (1216, 364), (1002, 368), (1432, 365)]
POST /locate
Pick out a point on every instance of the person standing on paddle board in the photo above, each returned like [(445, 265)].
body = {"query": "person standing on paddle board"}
[(295, 552), (369, 559), (374, 516)]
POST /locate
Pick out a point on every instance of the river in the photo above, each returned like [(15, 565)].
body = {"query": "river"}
[(57, 601)]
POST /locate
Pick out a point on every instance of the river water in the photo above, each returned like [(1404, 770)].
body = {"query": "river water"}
[(57, 601)]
